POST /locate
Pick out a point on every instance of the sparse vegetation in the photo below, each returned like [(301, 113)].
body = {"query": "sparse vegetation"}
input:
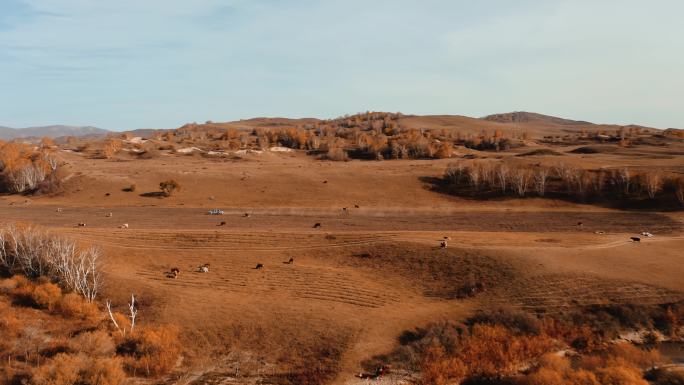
[(168, 187), (510, 346), (81, 350)]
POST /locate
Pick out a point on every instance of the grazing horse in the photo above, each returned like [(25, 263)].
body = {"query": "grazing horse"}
[(223, 223), (124, 226), (443, 244), (174, 273), (356, 206), (108, 215), (204, 268), (317, 225), (635, 239), (245, 215), (59, 209), (81, 224), (259, 266), (290, 261)]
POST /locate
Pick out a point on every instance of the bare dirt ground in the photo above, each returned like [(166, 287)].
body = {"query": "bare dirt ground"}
[(238, 318)]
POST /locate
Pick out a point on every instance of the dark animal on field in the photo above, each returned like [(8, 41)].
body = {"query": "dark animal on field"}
[(443, 244), (289, 262), (174, 273), (81, 224), (259, 266), (316, 225), (222, 223), (635, 239), (356, 206)]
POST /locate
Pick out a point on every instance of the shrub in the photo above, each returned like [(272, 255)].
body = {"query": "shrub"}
[(620, 375), (169, 186), (70, 369), (95, 344), (149, 152), (46, 295), (8, 321), (515, 320), (336, 154), (438, 369), (151, 351), (72, 305)]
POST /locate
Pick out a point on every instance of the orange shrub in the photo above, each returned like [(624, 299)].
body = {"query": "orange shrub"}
[(152, 351), (620, 375), (46, 295), (438, 369), (9, 325), (69, 369), (72, 305), (95, 344)]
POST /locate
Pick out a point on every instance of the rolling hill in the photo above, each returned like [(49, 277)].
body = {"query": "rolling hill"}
[(535, 125), (54, 131)]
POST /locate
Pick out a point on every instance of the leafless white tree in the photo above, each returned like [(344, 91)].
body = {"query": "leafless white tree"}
[(133, 314), (679, 190), (653, 183), (502, 172), (624, 180), (474, 176), (541, 176), (111, 317), (34, 252), (520, 180), (133, 311)]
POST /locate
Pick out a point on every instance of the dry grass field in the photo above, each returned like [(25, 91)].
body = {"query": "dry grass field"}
[(371, 270)]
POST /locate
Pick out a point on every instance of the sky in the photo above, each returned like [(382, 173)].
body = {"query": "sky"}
[(126, 64)]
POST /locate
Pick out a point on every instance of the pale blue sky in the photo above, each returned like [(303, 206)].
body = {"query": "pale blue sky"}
[(124, 64)]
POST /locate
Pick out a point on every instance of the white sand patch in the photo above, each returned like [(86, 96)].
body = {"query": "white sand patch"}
[(247, 151), (136, 140), (280, 149), (188, 150)]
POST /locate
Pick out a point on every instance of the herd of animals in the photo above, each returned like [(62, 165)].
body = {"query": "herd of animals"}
[(443, 243), (175, 271)]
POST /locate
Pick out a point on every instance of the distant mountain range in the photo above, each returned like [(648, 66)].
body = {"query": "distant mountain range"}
[(56, 131)]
